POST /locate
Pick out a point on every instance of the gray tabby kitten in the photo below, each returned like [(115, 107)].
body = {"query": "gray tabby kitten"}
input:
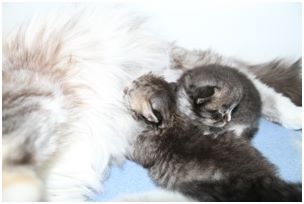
[(180, 157), (222, 98)]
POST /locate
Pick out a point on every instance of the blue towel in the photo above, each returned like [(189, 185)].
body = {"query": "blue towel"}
[(283, 147)]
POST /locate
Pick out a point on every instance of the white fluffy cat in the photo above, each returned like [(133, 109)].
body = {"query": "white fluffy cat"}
[(64, 119)]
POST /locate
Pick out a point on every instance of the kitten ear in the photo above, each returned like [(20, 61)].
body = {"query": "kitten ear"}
[(148, 113), (204, 93)]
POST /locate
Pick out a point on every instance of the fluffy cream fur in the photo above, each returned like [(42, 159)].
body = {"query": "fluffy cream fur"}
[(91, 65)]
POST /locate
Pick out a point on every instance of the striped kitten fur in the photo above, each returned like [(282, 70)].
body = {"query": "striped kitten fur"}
[(64, 119)]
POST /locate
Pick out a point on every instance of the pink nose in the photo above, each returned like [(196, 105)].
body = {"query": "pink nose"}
[(126, 90)]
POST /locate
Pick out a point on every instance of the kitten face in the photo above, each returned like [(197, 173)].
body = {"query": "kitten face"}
[(212, 101), (151, 99), (213, 112)]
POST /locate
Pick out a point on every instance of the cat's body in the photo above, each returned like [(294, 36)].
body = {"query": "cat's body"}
[(63, 111), (222, 98), (62, 99), (181, 157)]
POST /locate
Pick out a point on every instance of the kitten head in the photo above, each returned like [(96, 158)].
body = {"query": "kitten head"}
[(151, 99), (212, 94)]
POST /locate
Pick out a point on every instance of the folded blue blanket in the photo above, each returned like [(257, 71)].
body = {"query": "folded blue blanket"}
[(281, 146)]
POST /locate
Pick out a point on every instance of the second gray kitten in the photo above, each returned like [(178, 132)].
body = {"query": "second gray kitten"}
[(221, 98)]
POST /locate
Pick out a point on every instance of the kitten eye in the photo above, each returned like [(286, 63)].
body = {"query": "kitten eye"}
[(191, 86), (203, 93)]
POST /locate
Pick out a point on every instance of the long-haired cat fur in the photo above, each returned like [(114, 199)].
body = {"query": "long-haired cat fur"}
[(63, 77), (62, 105), (181, 157)]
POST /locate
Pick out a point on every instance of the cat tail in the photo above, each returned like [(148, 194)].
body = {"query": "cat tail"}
[(284, 77), (280, 191), (21, 183)]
